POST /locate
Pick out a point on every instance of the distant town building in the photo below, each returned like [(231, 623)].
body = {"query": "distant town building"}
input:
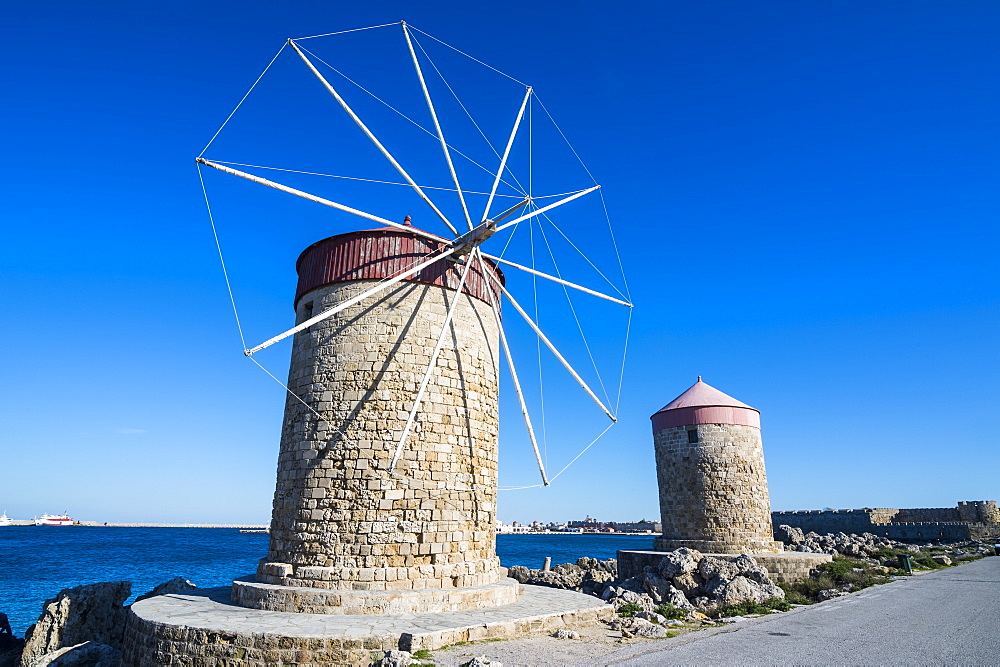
[(515, 527), (593, 525), (588, 525)]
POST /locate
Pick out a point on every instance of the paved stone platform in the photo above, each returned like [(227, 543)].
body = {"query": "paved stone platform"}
[(786, 567), (302, 600), (205, 628)]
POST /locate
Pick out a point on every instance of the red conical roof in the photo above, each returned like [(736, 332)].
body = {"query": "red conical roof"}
[(704, 404), (702, 394)]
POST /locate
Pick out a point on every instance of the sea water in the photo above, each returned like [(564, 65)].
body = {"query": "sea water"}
[(37, 562)]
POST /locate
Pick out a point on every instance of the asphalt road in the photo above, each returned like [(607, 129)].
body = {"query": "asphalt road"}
[(946, 617)]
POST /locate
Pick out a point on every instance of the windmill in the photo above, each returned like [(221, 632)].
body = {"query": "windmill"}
[(387, 471)]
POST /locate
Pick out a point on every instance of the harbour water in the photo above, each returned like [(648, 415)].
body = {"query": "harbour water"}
[(36, 562)]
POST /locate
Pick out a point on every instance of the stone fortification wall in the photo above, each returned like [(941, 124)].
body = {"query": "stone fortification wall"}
[(978, 519), (979, 511), (340, 521), (929, 530), (883, 515), (713, 493), (859, 521), (826, 521), (926, 514)]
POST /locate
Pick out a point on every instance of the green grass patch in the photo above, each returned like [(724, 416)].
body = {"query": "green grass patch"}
[(748, 607), (842, 567), (966, 558), (669, 611), (927, 563), (795, 596), (888, 552), (629, 610), (840, 572)]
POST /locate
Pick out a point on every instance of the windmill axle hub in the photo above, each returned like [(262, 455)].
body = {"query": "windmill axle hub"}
[(466, 242)]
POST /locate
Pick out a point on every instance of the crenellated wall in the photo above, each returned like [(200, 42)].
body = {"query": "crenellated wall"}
[(974, 519), (928, 514), (826, 521), (979, 511)]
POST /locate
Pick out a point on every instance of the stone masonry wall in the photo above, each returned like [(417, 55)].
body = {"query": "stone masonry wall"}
[(149, 643), (974, 519), (883, 515), (979, 511), (340, 521), (826, 521), (924, 514), (713, 494)]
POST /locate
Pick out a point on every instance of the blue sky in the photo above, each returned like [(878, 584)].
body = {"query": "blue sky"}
[(804, 196)]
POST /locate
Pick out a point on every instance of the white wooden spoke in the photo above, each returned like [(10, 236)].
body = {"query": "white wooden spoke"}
[(513, 374), (539, 211), (353, 300), (555, 279), (437, 125), (552, 348), (506, 153), (364, 128), (405, 117), (512, 209), (430, 368), (320, 200)]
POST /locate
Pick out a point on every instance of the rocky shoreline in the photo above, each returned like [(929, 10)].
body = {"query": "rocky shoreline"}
[(684, 579), (689, 580), (80, 627)]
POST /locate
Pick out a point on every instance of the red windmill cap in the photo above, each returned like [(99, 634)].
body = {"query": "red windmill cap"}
[(704, 404), (383, 253)]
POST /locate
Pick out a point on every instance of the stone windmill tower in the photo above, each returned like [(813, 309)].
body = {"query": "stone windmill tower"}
[(710, 470), (347, 536), (385, 500)]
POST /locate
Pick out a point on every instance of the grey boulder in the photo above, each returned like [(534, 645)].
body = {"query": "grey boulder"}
[(175, 585), (85, 614), (87, 654)]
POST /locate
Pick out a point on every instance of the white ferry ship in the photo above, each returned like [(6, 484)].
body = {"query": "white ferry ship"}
[(6, 520), (53, 520)]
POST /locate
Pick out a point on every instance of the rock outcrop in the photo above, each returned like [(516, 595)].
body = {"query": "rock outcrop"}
[(789, 535), (565, 633), (482, 661), (91, 614), (87, 654), (175, 585), (866, 545), (587, 575), (854, 546), (684, 578), (637, 627), (396, 659)]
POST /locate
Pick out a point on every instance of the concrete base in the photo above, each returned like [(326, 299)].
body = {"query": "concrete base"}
[(204, 627), (786, 567), (303, 600), (718, 547)]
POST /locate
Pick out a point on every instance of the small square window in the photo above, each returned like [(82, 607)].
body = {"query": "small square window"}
[(693, 436)]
